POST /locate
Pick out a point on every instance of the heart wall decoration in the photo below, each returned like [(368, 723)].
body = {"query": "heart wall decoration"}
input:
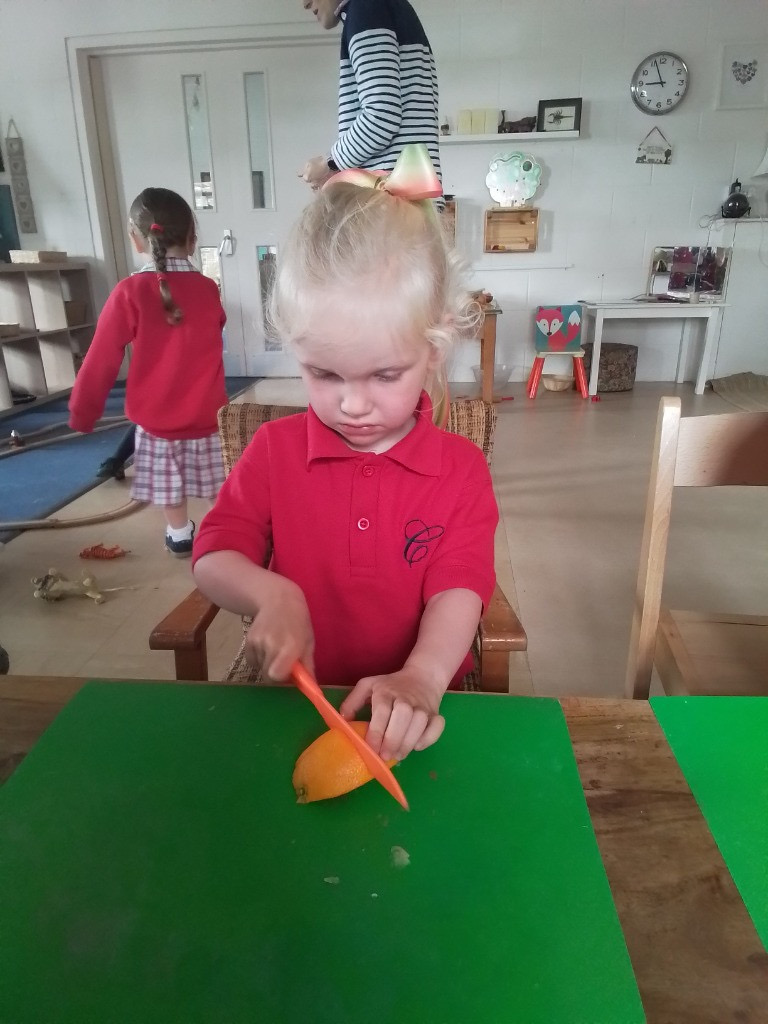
[(743, 76)]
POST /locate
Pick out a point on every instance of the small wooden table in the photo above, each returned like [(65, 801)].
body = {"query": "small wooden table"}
[(695, 952), (488, 350)]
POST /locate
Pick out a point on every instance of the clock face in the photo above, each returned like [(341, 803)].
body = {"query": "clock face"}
[(659, 83)]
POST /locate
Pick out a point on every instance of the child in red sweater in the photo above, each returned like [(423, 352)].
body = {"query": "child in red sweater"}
[(171, 316)]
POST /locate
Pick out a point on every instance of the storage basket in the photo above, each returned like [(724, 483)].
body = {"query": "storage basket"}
[(618, 364), (74, 311), (556, 381)]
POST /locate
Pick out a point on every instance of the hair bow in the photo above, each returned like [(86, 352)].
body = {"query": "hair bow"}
[(413, 176)]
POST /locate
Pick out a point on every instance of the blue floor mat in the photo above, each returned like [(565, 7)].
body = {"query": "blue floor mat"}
[(38, 482)]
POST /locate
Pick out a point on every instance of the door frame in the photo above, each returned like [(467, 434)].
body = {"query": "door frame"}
[(96, 157)]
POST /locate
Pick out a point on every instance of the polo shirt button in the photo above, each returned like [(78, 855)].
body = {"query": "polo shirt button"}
[(368, 470), (363, 524)]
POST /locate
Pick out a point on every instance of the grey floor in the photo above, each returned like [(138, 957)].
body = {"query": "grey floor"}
[(571, 477)]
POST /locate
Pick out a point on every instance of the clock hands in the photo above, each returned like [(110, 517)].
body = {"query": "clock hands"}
[(658, 72)]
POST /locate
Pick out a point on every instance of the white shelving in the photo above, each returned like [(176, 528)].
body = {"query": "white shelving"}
[(43, 357), (509, 138)]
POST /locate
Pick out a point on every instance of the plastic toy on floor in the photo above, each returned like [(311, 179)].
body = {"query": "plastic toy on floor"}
[(55, 586), (100, 552)]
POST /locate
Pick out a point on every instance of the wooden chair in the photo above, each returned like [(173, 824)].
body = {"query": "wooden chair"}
[(183, 631), (696, 652)]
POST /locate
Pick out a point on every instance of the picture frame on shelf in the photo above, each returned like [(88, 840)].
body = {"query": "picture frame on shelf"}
[(743, 76), (559, 115)]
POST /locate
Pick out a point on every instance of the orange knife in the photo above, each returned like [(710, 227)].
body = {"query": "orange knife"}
[(378, 769)]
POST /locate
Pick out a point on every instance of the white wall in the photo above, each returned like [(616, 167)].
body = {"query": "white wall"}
[(601, 213)]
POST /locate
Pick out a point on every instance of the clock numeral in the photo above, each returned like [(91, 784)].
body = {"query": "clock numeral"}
[(681, 81), (645, 72), (662, 60), (669, 102), (658, 105), (677, 93)]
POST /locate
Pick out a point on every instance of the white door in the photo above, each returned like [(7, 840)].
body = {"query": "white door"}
[(229, 130)]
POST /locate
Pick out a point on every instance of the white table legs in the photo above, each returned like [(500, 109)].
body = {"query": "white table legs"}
[(710, 337), (597, 341)]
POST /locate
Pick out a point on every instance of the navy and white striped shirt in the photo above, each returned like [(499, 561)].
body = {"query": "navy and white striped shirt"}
[(387, 86)]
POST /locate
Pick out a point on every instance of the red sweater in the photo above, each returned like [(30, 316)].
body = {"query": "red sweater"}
[(368, 538), (175, 380)]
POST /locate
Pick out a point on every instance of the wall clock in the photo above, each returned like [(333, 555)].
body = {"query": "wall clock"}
[(659, 83)]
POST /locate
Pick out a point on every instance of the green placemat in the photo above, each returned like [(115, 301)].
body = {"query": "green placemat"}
[(721, 745), (154, 867)]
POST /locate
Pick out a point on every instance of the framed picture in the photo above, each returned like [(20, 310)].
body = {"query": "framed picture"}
[(743, 76), (559, 115)]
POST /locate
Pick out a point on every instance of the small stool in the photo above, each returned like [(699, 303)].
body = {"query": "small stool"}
[(558, 333), (578, 371)]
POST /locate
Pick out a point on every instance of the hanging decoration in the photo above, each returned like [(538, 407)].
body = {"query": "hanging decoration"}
[(17, 168), (654, 149)]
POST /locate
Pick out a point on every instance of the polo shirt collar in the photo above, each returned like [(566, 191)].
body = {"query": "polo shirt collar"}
[(420, 450)]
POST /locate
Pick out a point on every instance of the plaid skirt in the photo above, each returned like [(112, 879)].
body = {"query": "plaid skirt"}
[(166, 472)]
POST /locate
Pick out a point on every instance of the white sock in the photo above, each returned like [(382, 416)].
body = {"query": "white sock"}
[(185, 533)]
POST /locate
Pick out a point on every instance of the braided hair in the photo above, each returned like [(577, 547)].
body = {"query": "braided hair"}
[(165, 220)]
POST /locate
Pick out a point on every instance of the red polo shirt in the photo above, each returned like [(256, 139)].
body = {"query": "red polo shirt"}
[(368, 538)]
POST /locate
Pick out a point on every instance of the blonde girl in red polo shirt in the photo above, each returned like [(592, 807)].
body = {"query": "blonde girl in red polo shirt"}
[(382, 524), (171, 316)]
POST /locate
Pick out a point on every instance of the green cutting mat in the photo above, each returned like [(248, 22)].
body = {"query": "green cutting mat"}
[(154, 867), (721, 745)]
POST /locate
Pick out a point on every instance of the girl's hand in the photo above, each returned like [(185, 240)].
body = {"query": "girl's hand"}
[(404, 711), (316, 172), (281, 632)]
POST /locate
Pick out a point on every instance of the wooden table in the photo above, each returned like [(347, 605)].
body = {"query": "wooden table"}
[(488, 350), (694, 949)]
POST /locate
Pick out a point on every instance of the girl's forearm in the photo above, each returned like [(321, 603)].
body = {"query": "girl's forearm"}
[(235, 583), (448, 626)]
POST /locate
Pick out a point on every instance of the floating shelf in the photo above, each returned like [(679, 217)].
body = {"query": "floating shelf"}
[(511, 230), (509, 138)]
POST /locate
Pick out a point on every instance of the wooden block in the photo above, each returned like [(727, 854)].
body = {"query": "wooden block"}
[(464, 123), (478, 121), (491, 121)]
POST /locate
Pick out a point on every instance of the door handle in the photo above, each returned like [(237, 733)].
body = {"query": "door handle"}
[(227, 247)]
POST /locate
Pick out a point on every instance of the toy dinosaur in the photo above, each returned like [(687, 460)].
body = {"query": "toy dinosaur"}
[(54, 586)]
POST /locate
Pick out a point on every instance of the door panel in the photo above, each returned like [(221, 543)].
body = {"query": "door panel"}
[(147, 127)]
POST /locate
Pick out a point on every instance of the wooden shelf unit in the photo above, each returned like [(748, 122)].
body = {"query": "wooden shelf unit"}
[(511, 229), (44, 356)]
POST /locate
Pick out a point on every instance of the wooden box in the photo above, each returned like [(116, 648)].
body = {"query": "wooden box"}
[(37, 256), (511, 230)]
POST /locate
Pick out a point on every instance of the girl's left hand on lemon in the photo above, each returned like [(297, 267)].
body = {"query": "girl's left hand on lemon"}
[(404, 712)]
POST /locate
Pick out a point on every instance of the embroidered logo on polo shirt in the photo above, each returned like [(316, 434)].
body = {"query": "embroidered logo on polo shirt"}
[(418, 537)]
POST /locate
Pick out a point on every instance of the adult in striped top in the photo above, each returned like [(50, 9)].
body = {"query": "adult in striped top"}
[(387, 86)]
